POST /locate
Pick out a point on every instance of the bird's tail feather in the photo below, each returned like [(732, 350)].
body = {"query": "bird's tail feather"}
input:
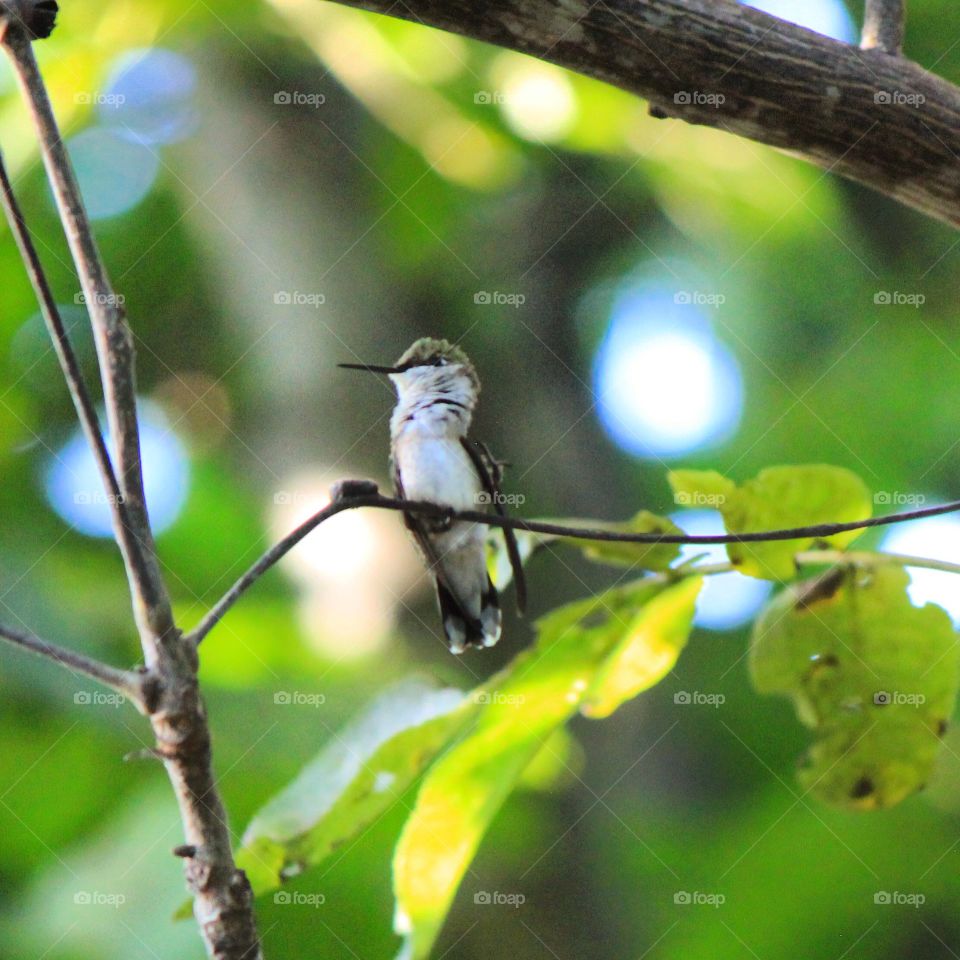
[(461, 629)]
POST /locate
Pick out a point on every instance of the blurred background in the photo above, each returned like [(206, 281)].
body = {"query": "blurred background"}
[(279, 187)]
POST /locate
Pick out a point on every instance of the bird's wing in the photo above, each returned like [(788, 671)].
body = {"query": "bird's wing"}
[(490, 474), (416, 527), (449, 601)]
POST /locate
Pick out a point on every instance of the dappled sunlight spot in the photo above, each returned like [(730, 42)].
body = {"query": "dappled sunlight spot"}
[(361, 58), (728, 600), (352, 570), (935, 538), (76, 492), (431, 56), (828, 17), (149, 95), (115, 173), (665, 384), (536, 98), (460, 151)]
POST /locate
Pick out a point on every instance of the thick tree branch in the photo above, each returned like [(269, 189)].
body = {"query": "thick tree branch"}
[(354, 494), (127, 682), (884, 22), (881, 120), (222, 895)]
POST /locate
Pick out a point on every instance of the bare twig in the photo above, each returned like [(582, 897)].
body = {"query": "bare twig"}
[(86, 412), (114, 344), (884, 121), (419, 508), (884, 23), (222, 895), (127, 682), (864, 559)]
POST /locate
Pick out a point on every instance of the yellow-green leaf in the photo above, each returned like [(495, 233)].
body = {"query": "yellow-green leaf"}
[(522, 709), (643, 556), (874, 676), (777, 498), (648, 650)]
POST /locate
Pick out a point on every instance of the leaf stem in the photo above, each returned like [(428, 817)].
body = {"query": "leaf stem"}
[(865, 558)]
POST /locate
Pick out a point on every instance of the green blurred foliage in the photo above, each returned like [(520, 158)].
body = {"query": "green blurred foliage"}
[(398, 200)]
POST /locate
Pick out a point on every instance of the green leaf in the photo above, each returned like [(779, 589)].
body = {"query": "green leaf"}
[(873, 675), (522, 709), (639, 556), (354, 778), (648, 650), (644, 556), (778, 497)]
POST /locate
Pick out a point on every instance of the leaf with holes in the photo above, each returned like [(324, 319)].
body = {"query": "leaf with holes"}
[(874, 676)]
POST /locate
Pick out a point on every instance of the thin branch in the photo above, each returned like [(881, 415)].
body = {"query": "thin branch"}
[(86, 412), (419, 508), (881, 120), (114, 344), (223, 899), (864, 559), (884, 24), (126, 682)]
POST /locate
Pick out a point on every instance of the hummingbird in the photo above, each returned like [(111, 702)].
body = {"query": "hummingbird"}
[(432, 460)]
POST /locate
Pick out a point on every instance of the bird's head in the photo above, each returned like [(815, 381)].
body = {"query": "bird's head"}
[(429, 366)]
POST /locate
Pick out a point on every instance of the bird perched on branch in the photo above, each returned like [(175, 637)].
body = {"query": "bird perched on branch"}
[(432, 460)]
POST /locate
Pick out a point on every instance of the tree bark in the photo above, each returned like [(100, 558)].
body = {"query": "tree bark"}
[(870, 116)]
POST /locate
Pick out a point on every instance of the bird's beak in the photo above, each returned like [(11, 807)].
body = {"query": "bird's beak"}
[(369, 367)]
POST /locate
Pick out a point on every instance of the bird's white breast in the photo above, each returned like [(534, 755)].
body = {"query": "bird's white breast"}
[(435, 467)]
